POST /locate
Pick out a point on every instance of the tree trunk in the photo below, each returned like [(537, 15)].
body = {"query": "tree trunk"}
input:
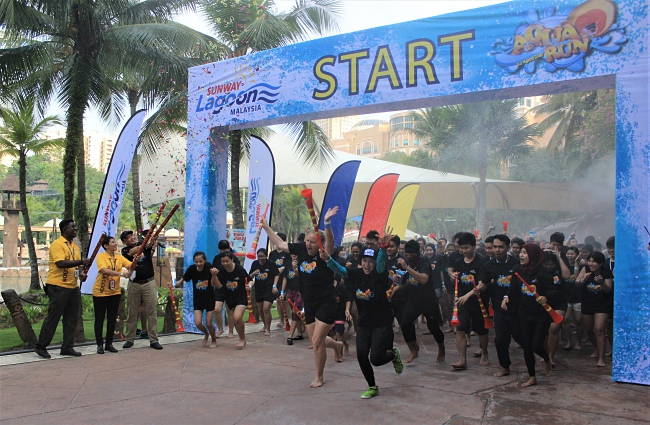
[(134, 98), (482, 201), (79, 95), (24, 328), (33, 261), (235, 159)]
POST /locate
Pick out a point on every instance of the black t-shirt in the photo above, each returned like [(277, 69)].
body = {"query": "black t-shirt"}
[(436, 263), (280, 259), (264, 280), (419, 292), (144, 267), (498, 275), (342, 297), (542, 283), (592, 296), (392, 266), (293, 278), (370, 296), (234, 283), (316, 279), (559, 299), (201, 283), (446, 280), (573, 293), (470, 274)]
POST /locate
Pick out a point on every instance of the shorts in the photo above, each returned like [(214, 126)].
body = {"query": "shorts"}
[(234, 302), (339, 327), (576, 307), (324, 311), (266, 297), (438, 292), (204, 305), (600, 308), (220, 295), (471, 320)]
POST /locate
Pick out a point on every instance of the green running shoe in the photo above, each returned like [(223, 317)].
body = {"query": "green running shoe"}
[(372, 392), (397, 361)]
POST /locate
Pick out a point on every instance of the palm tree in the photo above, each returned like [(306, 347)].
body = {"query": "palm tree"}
[(74, 49), (248, 26), (566, 112), (469, 138), (19, 136)]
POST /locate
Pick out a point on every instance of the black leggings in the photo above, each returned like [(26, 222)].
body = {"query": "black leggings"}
[(105, 306), (374, 347), (533, 335), (412, 311)]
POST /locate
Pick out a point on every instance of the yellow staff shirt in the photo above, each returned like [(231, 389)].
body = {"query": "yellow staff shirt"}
[(61, 249), (103, 286)]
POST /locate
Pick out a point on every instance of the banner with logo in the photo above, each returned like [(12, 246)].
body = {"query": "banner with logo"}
[(110, 204), (400, 211), (261, 181), (338, 193), (236, 239), (378, 203)]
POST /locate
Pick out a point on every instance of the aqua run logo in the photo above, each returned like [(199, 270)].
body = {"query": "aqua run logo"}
[(561, 40), (114, 200), (254, 207), (244, 102)]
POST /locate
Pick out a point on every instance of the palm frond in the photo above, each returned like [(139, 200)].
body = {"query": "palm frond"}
[(315, 17), (311, 142)]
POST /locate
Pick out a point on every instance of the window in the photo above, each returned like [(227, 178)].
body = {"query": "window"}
[(529, 102), (416, 142), (522, 102), (358, 149), (405, 142), (367, 148), (375, 148)]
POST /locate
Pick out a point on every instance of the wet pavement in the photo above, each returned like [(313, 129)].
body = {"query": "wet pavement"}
[(268, 383)]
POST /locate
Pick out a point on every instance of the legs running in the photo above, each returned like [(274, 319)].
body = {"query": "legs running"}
[(237, 314), (554, 338), (218, 308), (533, 335), (409, 315), (600, 325), (266, 308), (198, 321), (208, 321), (318, 333)]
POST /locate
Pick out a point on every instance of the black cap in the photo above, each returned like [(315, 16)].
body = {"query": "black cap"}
[(369, 253)]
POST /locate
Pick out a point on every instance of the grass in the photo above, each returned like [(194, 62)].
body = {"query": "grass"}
[(10, 340)]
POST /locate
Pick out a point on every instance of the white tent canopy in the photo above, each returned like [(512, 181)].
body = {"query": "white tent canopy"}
[(163, 178)]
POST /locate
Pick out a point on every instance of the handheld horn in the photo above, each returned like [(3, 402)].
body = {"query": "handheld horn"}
[(454, 316), (307, 194), (505, 227), (95, 251), (252, 255), (251, 315), (179, 325), (557, 318), (487, 323)]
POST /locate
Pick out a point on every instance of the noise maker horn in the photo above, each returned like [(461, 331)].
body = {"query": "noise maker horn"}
[(490, 310), (557, 319), (251, 315), (391, 273), (146, 239), (95, 251), (179, 325), (287, 326), (298, 312), (165, 221), (505, 227), (307, 194), (253, 253), (454, 316), (487, 323)]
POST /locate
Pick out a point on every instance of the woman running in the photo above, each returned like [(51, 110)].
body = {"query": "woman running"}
[(574, 298), (291, 291), (596, 281), (106, 292), (534, 319), (266, 277), (233, 278), (203, 282), (375, 334)]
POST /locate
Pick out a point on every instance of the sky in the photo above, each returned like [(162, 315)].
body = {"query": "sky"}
[(356, 15)]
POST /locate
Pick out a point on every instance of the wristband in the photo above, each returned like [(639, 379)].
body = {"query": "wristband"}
[(281, 292), (275, 286), (505, 297), (328, 224), (384, 246)]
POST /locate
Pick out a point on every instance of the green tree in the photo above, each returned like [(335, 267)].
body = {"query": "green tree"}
[(473, 137), (19, 136), (75, 49), (248, 26), (419, 158)]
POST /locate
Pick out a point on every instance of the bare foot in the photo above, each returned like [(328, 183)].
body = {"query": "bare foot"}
[(589, 344), (213, 345), (601, 363), (502, 372), (578, 347), (449, 330), (532, 381), (594, 354), (478, 353), (608, 354), (459, 366), (567, 347), (548, 368), (241, 343), (441, 353), (484, 360), (414, 355), (318, 382), (267, 333), (279, 325), (338, 352), (310, 347), (346, 350), (204, 343), (263, 330), (427, 332)]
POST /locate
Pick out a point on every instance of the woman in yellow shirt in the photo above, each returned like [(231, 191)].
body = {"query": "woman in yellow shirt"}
[(106, 292)]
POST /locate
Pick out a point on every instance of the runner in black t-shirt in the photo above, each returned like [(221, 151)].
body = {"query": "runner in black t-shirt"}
[(291, 290), (318, 290), (558, 301), (281, 259), (220, 294), (233, 278), (597, 283), (420, 288), (495, 280), (203, 283), (399, 298), (354, 262), (266, 286), (343, 303), (468, 271), (574, 298), (374, 339)]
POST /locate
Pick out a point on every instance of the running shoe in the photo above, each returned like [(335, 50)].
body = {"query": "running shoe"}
[(397, 361), (372, 392)]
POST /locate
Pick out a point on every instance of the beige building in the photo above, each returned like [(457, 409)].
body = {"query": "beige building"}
[(335, 127), (98, 150)]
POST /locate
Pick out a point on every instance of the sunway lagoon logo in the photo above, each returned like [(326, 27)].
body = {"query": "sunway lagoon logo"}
[(561, 40), (236, 97), (114, 200)]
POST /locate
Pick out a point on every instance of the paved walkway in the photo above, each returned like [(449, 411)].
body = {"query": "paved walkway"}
[(267, 383)]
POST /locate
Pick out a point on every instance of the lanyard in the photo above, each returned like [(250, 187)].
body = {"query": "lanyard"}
[(72, 251), (113, 262)]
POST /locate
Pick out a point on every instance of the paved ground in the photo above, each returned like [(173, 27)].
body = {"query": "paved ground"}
[(267, 383)]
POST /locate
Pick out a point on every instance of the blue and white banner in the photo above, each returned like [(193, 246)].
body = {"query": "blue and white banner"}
[(110, 204), (261, 181), (338, 194)]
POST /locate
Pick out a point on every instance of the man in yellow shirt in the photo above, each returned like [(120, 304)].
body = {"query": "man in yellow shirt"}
[(63, 291)]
